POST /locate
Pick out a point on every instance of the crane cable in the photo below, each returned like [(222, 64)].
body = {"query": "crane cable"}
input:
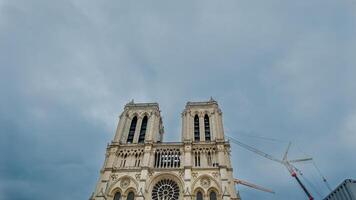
[(318, 170), (322, 176), (261, 137), (250, 148), (309, 182)]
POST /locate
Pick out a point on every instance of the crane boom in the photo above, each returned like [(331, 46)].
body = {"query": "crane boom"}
[(284, 162), (242, 182), (254, 150)]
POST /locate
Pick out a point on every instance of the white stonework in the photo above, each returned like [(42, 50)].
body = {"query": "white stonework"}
[(196, 168)]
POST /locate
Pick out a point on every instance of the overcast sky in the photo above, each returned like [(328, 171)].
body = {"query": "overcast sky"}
[(278, 69)]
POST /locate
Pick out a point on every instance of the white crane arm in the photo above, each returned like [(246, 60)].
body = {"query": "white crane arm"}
[(300, 160), (259, 152), (242, 182)]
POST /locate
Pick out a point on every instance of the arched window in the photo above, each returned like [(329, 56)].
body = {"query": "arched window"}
[(196, 129), (117, 196), (207, 128), (212, 195), (199, 196), (130, 137), (141, 138), (131, 196)]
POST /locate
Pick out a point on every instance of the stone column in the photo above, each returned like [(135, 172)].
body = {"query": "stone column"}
[(184, 125), (187, 169), (221, 127), (151, 131), (189, 131), (137, 130), (212, 127), (156, 132), (148, 127), (146, 156), (120, 127), (126, 129)]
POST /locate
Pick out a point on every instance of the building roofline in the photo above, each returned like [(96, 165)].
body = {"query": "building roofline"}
[(211, 101), (343, 183), (133, 104)]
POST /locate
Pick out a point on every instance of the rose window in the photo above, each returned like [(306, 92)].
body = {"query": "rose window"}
[(165, 190)]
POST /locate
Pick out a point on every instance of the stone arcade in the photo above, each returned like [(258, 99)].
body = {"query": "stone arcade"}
[(139, 165)]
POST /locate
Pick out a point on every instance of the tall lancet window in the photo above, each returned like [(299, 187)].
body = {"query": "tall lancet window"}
[(207, 128), (131, 196), (117, 196), (130, 137), (199, 196), (196, 129), (212, 195), (141, 138)]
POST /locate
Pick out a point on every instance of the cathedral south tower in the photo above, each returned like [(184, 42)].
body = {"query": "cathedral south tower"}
[(140, 165)]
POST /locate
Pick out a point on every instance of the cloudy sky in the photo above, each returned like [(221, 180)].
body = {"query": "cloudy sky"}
[(279, 69)]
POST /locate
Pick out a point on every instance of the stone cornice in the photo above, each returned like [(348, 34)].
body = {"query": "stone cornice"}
[(142, 105)]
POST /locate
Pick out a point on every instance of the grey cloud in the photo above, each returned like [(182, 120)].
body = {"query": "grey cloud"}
[(278, 69)]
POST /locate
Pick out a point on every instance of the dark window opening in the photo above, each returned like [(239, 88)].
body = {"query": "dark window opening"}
[(141, 138), (197, 159), (207, 128), (117, 196), (132, 130), (212, 195), (131, 196), (196, 129), (199, 196)]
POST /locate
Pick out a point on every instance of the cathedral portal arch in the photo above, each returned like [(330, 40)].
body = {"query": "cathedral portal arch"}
[(207, 184), (123, 184), (165, 184)]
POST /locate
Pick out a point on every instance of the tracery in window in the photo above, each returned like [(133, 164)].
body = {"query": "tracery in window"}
[(165, 189), (141, 138), (137, 159), (131, 135), (196, 129), (167, 158), (123, 160)]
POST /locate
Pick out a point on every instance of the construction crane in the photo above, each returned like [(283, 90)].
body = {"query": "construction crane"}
[(287, 163), (251, 185)]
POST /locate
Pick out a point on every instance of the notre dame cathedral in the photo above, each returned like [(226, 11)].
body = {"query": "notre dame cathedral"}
[(140, 165)]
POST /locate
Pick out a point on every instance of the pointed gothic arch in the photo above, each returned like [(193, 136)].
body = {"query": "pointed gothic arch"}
[(212, 195), (207, 128), (116, 186), (143, 129), (131, 195), (165, 178), (117, 195), (214, 185), (132, 130), (196, 128), (199, 195)]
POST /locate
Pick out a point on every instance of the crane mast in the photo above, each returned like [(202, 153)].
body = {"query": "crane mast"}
[(284, 161)]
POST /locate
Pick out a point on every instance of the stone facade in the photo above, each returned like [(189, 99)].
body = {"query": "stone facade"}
[(139, 165)]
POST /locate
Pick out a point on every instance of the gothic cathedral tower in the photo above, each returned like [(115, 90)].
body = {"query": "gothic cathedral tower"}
[(139, 165)]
